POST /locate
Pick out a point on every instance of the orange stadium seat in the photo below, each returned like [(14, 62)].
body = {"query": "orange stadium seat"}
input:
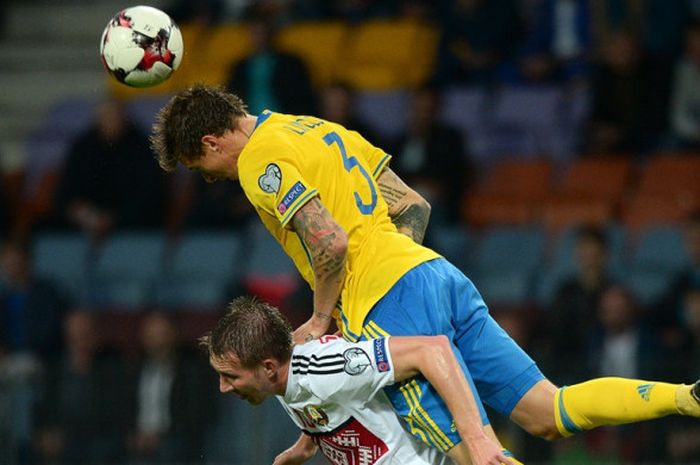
[(319, 44), (517, 178), (484, 210), (597, 178), (386, 54), (676, 174), (649, 209), (509, 194), (560, 213)]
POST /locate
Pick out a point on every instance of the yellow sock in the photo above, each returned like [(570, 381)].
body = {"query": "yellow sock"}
[(612, 401)]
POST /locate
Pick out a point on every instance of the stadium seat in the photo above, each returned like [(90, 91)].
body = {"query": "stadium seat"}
[(646, 209), (126, 270), (388, 54), (509, 193), (597, 178), (525, 179), (328, 39), (200, 270), (659, 248), (675, 177), (558, 213), (504, 289), (452, 242), (487, 210), (504, 249), (65, 259), (648, 286), (218, 51)]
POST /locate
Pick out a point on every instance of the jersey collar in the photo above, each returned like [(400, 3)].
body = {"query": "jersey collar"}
[(262, 117)]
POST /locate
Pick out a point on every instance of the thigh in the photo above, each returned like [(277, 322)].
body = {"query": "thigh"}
[(501, 370), (416, 306)]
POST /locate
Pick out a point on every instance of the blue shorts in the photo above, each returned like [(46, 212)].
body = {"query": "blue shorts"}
[(436, 298)]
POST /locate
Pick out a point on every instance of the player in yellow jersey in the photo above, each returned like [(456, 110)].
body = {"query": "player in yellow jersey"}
[(354, 229)]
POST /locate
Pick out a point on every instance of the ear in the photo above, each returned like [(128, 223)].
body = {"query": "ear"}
[(210, 143), (270, 367)]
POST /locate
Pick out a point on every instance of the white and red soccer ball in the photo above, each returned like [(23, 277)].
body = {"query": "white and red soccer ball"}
[(141, 46)]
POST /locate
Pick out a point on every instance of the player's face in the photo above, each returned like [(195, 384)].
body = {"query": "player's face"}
[(250, 385), (218, 160)]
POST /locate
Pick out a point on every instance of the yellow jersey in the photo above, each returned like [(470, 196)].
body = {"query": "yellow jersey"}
[(291, 159)]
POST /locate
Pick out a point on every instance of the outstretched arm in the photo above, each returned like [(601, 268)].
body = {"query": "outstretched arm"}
[(432, 357), (300, 452), (408, 210), (327, 244)]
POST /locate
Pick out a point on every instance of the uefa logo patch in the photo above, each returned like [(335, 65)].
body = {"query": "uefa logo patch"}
[(292, 194), (380, 355)]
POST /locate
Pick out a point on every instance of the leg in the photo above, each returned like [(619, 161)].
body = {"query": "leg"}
[(553, 413)]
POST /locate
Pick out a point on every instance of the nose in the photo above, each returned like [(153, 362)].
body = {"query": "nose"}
[(209, 179)]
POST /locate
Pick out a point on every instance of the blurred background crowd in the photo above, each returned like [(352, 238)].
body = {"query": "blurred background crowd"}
[(558, 142)]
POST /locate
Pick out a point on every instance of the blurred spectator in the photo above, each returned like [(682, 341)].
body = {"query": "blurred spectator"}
[(338, 105), (622, 115), (205, 12), (431, 158), (81, 418), (668, 313), (624, 345), (573, 316), (30, 319), (170, 418), (110, 179), (559, 42), (31, 308), (218, 205), (269, 78), (685, 103), (476, 36), (683, 433)]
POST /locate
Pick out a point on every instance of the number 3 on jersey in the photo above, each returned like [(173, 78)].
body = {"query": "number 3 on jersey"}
[(350, 162)]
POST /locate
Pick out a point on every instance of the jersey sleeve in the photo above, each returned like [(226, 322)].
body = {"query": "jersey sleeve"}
[(273, 182), (347, 372), (375, 158)]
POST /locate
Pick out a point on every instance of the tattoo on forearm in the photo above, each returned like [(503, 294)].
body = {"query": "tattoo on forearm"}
[(413, 220), (391, 194), (318, 231)]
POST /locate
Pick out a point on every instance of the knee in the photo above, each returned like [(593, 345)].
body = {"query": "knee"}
[(544, 428)]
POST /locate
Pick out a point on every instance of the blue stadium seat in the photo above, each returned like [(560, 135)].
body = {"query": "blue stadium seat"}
[(452, 242), (505, 262), (507, 249), (63, 258), (200, 269), (661, 248), (126, 270), (647, 285)]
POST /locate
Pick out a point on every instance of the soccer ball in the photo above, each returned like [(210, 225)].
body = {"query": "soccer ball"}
[(141, 46)]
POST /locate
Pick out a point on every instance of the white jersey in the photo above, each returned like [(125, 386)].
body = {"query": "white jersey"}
[(334, 394)]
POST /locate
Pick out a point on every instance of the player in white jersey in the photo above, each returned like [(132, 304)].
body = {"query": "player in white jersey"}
[(332, 388), (334, 394)]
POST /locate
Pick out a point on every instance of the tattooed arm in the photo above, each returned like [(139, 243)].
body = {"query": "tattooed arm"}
[(408, 210), (327, 244)]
